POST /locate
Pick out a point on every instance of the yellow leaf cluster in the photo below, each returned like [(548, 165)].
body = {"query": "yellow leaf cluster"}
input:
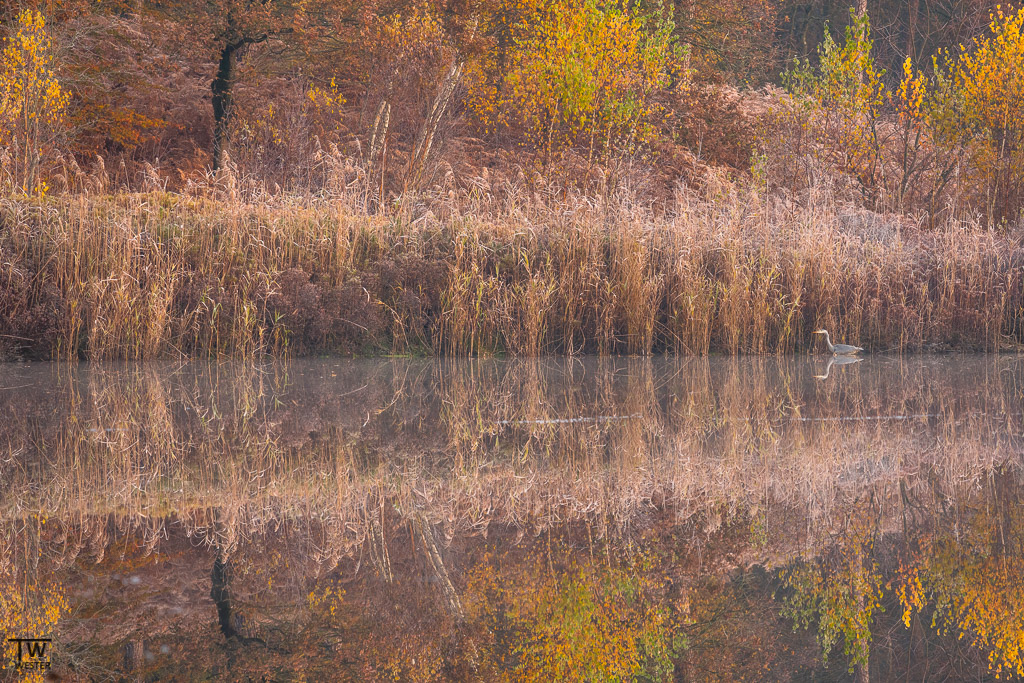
[(975, 589), (29, 609), (326, 601), (989, 79), (840, 596), (577, 73), (32, 102), (588, 622), (992, 75), (911, 93), (326, 100)]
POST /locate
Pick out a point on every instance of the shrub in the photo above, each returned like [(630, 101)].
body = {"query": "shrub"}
[(989, 76), (578, 74), (842, 100), (955, 133), (32, 105)]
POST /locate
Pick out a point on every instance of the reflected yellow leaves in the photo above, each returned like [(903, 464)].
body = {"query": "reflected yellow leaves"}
[(973, 586), (584, 621), (30, 607), (841, 591)]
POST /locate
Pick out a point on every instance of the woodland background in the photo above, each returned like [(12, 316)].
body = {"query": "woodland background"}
[(668, 162)]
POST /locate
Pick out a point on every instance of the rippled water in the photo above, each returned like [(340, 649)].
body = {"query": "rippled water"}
[(623, 519)]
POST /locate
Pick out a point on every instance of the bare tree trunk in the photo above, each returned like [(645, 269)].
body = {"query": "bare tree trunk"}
[(227, 71), (440, 571), (863, 671), (862, 13), (912, 9), (134, 655), (433, 555), (220, 593)]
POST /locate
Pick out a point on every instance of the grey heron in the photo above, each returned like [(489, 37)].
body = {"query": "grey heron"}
[(838, 349)]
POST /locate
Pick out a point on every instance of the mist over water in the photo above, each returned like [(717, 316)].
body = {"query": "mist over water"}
[(560, 519)]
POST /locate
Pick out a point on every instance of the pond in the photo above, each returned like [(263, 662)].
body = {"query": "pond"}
[(561, 519)]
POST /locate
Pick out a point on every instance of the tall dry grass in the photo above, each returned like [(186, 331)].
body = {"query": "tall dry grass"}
[(485, 271)]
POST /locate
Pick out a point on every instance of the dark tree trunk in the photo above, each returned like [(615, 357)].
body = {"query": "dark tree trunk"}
[(912, 11), (222, 598), (220, 593), (134, 655), (227, 71)]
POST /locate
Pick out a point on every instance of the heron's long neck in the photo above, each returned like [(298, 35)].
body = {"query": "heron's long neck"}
[(828, 343)]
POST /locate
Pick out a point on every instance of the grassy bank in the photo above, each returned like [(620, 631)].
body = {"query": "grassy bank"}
[(164, 275)]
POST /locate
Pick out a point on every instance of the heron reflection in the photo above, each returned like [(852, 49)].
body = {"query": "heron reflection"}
[(837, 360)]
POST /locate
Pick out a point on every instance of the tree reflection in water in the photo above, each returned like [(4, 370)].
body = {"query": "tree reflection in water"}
[(490, 520)]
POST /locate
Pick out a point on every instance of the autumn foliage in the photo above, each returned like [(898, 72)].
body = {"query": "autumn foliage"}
[(32, 107), (577, 73), (939, 140), (316, 96), (990, 76), (588, 622), (508, 176)]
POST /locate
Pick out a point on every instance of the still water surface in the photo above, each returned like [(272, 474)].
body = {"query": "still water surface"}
[(623, 519)]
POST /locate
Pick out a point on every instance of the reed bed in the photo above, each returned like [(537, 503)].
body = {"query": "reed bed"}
[(731, 270)]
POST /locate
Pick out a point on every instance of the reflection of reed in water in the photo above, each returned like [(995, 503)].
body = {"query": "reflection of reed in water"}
[(283, 473), (952, 552), (469, 444)]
